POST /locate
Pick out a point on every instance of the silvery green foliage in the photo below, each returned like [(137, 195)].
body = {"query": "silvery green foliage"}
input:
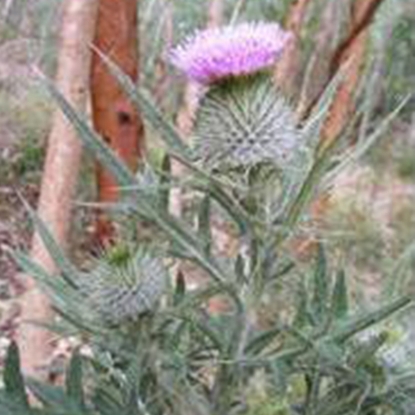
[(244, 121), (148, 183), (123, 286)]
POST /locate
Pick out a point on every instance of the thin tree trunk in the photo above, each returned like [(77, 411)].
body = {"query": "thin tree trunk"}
[(6, 8), (287, 68), (317, 71), (115, 118), (215, 13), (60, 174), (350, 56)]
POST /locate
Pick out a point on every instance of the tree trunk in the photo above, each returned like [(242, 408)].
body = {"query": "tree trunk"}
[(215, 13), (114, 117), (60, 174), (287, 68), (350, 56)]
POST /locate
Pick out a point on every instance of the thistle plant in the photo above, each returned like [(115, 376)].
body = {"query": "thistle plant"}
[(242, 120), (154, 347)]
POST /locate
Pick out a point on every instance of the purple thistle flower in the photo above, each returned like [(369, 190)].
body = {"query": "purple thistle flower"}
[(218, 53)]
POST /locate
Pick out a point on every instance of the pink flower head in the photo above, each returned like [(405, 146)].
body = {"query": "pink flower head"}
[(218, 53)]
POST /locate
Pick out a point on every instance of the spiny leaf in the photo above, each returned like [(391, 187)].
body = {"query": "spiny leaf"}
[(358, 324), (319, 300), (73, 380), (13, 379), (260, 342), (240, 269), (27, 265), (366, 350), (164, 193), (365, 145), (204, 224), (69, 271), (53, 398), (339, 301), (91, 139), (302, 316)]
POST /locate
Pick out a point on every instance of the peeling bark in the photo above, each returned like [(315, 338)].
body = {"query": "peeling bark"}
[(114, 117), (60, 175)]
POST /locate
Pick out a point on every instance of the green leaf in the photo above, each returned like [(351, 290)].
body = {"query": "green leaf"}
[(204, 224), (132, 407), (9, 406), (260, 342), (363, 146), (299, 199), (51, 396), (234, 210), (356, 325), (105, 403), (339, 301), (319, 300), (302, 317), (73, 380), (13, 379), (54, 399), (366, 350), (92, 141), (66, 300), (30, 267), (240, 269), (164, 193), (61, 261), (206, 330)]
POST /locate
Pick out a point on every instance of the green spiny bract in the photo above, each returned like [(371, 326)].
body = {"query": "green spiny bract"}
[(123, 287), (245, 121)]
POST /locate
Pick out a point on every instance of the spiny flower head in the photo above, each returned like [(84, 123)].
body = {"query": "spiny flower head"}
[(245, 121), (125, 285), (218, 53)]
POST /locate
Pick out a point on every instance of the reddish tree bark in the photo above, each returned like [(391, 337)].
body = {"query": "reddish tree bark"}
[(287, 68), (60, 176), (350, 56), (114, 117)]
